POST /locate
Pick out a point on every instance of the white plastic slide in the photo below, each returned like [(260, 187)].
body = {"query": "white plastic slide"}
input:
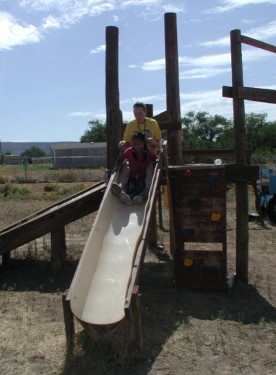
[(99, 286)]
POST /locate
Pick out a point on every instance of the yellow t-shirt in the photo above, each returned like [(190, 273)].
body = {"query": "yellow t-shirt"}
[(150, 129)]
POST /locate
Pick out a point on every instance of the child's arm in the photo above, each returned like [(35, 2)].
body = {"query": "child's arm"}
[(119, 160)]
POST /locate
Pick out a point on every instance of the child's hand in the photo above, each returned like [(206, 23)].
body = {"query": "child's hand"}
[(122, 144)]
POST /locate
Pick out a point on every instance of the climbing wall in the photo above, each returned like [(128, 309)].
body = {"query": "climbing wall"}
[(199, 211)]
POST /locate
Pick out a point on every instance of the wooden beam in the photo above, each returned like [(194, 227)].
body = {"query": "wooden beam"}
[(257, 43), (162, 117), (236, 173), (50, 219), (218, 152), (251, 93)]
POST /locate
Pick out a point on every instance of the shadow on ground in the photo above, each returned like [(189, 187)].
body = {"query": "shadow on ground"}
[(164, 309), (36, 275)]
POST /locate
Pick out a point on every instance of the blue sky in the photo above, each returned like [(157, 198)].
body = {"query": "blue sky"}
[(52, 60)]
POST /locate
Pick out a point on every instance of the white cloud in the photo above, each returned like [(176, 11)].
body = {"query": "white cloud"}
[(174, 8), (206, 66), (264, 32), (228, 5), (80, 114), (261, 33), (12, 33), (51, 23), (215, 103), (98, 49), (202, 73), (63, 13), (71, 11), (154, 65)]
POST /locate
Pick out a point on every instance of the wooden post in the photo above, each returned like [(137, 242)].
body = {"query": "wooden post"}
[(137, 318), (240, 154), (58, 247), (6, 259), (68, 320), (113, 113), (172, 88)]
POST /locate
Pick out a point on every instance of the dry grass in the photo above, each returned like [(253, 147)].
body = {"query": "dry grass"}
[(186, 331)]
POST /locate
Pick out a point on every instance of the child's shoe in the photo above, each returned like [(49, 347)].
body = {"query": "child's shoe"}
[(125, 198), (116, 189), (138, 199)]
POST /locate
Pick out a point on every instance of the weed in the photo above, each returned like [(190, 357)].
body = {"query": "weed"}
[(221, 315), (9, 190), (67, 176), (3, 180), (268, 286), (50, 187)]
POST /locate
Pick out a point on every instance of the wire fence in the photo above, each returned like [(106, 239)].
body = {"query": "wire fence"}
[(46, 169)]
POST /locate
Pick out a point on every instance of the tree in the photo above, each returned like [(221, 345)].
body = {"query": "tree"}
[(202, 131), (268, 134), (95, 133), (33, 152)]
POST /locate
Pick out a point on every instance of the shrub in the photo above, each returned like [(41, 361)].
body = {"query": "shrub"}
[(3, 180), (8, 190), (68, 176), (50, 187)]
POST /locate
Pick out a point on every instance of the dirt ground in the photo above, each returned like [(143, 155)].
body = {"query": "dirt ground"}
[(185, 331)]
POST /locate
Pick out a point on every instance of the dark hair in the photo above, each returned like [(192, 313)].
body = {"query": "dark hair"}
[(140, 136), (140, 105)]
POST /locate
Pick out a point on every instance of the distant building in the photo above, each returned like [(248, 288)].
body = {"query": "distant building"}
[(17, 160), (13, 159), (79, 155)]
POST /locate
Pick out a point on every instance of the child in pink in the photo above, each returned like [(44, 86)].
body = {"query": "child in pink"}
[(135, 178)]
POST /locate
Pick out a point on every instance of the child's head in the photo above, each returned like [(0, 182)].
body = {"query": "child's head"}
[(138, 141)]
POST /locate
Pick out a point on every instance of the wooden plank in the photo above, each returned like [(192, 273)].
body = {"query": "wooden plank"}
[(257, 43), (251, 93), (201, 269), (258, 95), (170, 126), (90, 189), (218, 152), (51, 219), (236, 173)]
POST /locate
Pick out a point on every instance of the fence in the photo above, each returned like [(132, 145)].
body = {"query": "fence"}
[(29, 170)]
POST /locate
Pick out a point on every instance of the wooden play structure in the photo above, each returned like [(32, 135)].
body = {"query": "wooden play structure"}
[(196, 192)]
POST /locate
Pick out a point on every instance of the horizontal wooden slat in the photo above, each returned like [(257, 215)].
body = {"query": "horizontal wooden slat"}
[(235, 173), (250, 93), (257, 43)]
